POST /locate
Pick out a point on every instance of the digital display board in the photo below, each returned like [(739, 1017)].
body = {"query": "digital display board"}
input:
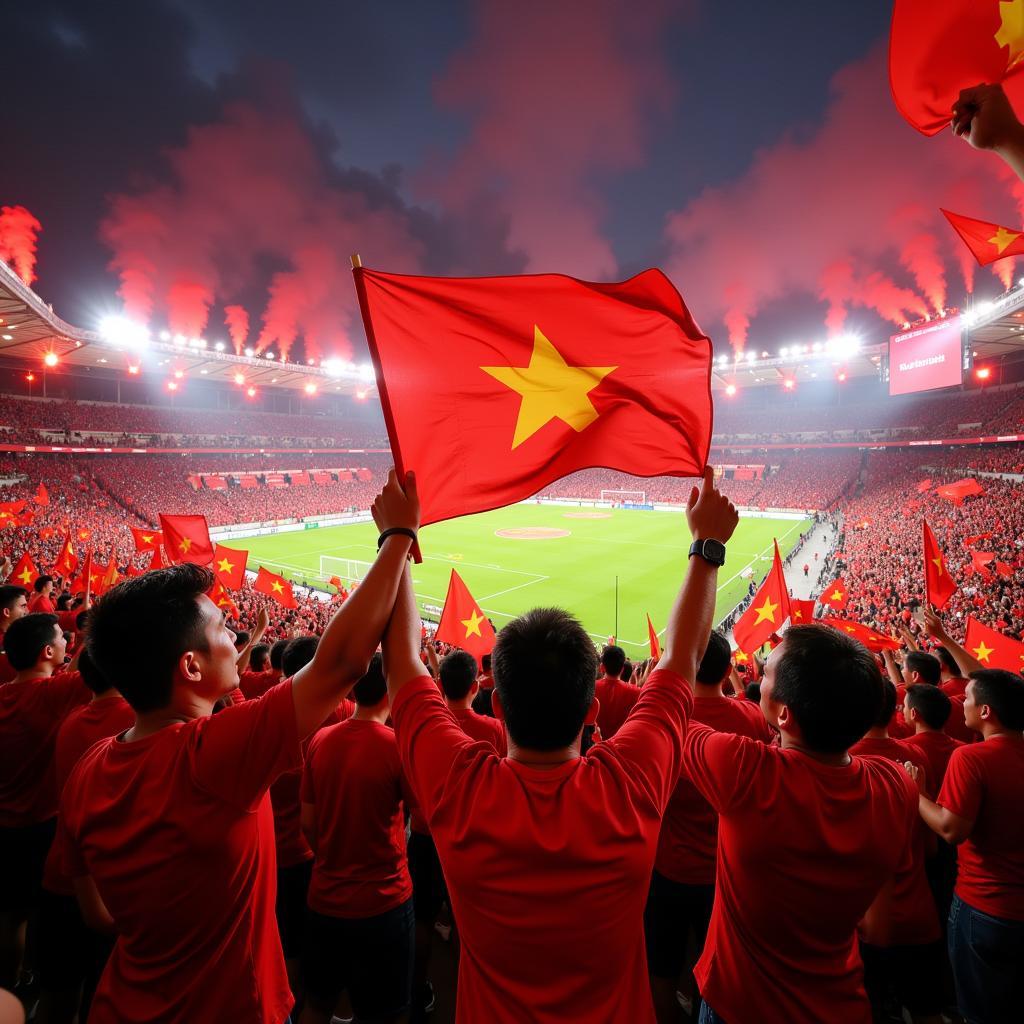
[(926, 357)]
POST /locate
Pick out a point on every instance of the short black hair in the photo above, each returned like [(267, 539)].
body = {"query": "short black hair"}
[(9, 595), (832, 685), (277, 653), (927, 666), (373, 687), (63, 600), (931, 704), (753, 691), (298, 653), (613, 658), (545, 668), (41, 582), (259, 656), (91, 675), (627, 672), (948, 661), (241, 638), (26, 637), (139, 629), (1002, 691), (457, 673), (888, 706), (485, 663), (714, 665)]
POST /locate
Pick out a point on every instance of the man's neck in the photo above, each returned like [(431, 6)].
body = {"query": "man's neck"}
[(149, 722), (42, 671), (877, 732), (708, 690), (789, 742), (378, 714), (466, 704), (544, 758), (617, 679), (991, 731)]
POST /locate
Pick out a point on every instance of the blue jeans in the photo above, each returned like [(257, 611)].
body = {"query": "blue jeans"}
[(708, 1016), (986, 954)]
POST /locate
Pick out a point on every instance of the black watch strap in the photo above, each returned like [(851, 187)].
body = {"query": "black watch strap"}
[(713, 552), (403, 531)]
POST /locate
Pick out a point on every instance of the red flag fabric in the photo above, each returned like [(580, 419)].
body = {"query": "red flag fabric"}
[(67, 560), (186, 539), (937, 49), (219, 595), (462, 623), (335, 581), (992, 648), (46, 532), (157, 561), (835, 595), (1004, 569), (652, 637), (988, 242), (956, 492), (229, 565), (980, 561), (939, 586), (89, 578), (84, 534), (110, 576), (969, 542), (801, 612), (24, 573), (275, 586), (870, 638), (767, 612), (924, 485), (549, 375), (42, 495), (10, 510), (146, 540)]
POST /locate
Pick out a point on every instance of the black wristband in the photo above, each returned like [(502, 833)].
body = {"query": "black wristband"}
[(403, 530)]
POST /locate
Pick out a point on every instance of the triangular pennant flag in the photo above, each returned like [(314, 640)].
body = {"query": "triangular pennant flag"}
[(186, 539), (988, 242), (767, 612), (652, 637), (462, 623), (939, 586), (275, 586), (992, 648), (229, 565)]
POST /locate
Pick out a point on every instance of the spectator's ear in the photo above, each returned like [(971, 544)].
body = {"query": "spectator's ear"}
[(595, 708)]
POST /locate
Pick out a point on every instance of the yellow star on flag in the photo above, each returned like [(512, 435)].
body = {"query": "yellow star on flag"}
[(766, 613), (837, 595), (741, 658), (1011, 30), (224, 566), (981, 652), (185, 544), (550, 389), (938, 563), (797, 614), (147, 540), (277, 587), (1003, 238), (24, 576), (472, 624)]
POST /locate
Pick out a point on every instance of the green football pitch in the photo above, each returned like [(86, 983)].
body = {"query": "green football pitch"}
[(527, 556)]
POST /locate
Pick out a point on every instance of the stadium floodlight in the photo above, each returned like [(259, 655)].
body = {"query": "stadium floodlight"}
[(366, 371), (310, 388), (121, 332), (751, 357), (248, 352), (8, 337), (179, 374), (165, 335), (783, 352), (730, 389), (50, 359), (333, 367), (361, 395), (789, 383), (268, 355), (251, 392), (180, 339), (984, 308), (239, 378), (219, 346)]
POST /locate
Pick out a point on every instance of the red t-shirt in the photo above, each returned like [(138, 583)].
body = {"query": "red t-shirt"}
[(30, 715), (956, 726), (985, 781), (617, 699), (803, 848), (689, 833), (956, 686), (527, 851), (177, 832), (903, 913), (255, 684), (84, 727), (937, 748), (286, 801), (7, 672), (353, 779), (42, 605)]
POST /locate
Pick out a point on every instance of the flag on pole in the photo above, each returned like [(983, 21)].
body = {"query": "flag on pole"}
[(24, 573), (548, 375), (462, 623), (146, 540), (187, 539), (275, 586), (767, 612), (992, 648), (67, 560), (938, 584), (988, 242), (42, 495), (110, 575), (835, 595), (229, 565), (801, 612), (222, 599), (870, 638), (652, 637), (157, 561)]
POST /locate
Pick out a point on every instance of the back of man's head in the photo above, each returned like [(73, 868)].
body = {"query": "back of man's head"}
[(457, 674), (714, 665), (947, 661), (753, 691), (91, 675), (927, 666), (241, 638), (613, 659), (277, 653), (544, 673), (298, 653), (888, 706), (1002, 691), (139, 629), (373, 687), (930, 704), (40, 584), (485, 663), (831, 684), (259, 657), (26, 639)]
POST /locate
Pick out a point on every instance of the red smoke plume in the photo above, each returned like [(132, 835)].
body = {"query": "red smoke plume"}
[(561, 97), (1003, 269), (827, 214), (237, 320), (18, 232)]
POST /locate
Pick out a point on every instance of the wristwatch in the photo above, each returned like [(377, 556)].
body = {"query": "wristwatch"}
[(712, 551)]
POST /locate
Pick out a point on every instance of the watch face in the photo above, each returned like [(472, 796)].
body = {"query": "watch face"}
[(715, 551)]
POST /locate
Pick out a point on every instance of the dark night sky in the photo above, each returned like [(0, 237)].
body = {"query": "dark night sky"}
[(470, 137)]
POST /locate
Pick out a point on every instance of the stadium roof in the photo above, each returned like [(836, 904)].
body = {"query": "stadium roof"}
[(29, 330)]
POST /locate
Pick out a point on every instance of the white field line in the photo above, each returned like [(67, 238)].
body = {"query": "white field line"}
[(528, 583)]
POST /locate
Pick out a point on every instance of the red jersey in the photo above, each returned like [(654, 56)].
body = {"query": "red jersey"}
[(7, 671), (353, 779), (41, 604), (526, 850), (795, 837), (937, 749), (617, 700), (956, 686), (985, 781), (84, 727), (689, 834), (956, 725), (903, 913), (177, 832), (255, 684), (30, 715)]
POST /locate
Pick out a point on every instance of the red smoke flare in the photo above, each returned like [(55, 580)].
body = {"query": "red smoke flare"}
[(920, 255), (1003, 269), (18, 232), (237, 320), (188, 305)]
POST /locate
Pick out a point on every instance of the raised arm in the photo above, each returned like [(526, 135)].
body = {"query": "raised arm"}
[(932, 625), (711, 516), (262, 621), (401, 644), (983, 116), (351, 637)]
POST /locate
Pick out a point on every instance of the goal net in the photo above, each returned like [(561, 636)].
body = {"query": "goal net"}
[(348, 570), (620, 497)]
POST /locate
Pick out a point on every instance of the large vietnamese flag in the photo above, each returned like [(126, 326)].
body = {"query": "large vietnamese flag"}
[(938, 47), (275, 586), (462, 623), (992, 648), (988, 242), (801, 613), (494, 387), (767, 612), (229, 565), (146, 540), (186, 539), (939, 586), (835, 595)]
